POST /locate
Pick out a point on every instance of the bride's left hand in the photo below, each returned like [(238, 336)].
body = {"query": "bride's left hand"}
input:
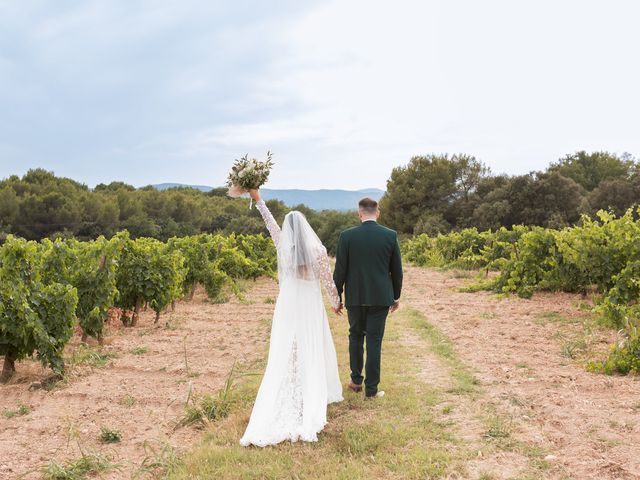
[(255, 194)]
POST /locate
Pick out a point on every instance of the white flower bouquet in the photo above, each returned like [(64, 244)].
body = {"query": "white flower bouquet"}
[(247, 174)]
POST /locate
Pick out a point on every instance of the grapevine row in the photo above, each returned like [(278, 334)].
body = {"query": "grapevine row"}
[(600, 256), (49, 287)]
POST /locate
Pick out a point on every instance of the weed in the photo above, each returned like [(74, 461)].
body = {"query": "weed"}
[(127, 401), (498, 428), (109, 436), (158, 461), (18, 412), (78, 469), (203, 409), (92, 358)]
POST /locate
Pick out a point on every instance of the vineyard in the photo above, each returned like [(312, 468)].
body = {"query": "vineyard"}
[(600, 258), (182, 330), (49, 288)]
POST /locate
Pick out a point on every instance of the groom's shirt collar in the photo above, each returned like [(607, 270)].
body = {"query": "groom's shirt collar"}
[(369, 221)]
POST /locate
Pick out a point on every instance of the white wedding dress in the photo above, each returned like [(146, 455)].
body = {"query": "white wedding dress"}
[(301, 377)]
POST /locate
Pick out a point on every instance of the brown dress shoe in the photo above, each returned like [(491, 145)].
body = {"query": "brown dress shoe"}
[(355, 387)]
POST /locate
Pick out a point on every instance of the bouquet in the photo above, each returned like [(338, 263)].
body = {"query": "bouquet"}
[(247, 174)]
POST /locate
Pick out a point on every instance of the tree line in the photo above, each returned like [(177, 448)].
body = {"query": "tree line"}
[(42, 205), (431, 194), (440, 193)]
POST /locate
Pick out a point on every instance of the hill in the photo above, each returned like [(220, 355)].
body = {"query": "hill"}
[(317, 199)]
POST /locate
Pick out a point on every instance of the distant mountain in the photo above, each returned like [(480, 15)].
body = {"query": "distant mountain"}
[(166, 186), (323, 199), (316, 199)]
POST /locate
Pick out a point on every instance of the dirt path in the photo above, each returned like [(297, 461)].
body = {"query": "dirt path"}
[(140, 393), (587, 425)]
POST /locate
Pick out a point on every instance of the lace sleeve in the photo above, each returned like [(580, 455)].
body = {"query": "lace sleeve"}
[(272, 225), (324, 273)]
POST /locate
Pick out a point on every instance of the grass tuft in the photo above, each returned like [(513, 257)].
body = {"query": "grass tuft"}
[(110, 436), (127, 401), (203, 409), (18, 412), (498, 428), (159, 461), (93, 358), (78, 469), (139, 350)]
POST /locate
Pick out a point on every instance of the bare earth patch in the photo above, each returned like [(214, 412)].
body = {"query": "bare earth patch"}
[(140, 393), (527, 356)]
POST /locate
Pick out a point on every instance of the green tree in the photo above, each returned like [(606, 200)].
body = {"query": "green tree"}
[(615, 195), (589, 169), (554, 201), (469, 173), (9, 206), (114, 187), (46, 213), (426, 184), (332, 224), (431, 192), (546, 199)]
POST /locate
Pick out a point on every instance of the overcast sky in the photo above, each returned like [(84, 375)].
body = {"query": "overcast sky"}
[(342, 91)]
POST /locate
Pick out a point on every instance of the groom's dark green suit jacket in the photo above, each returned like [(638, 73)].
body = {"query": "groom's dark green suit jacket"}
[(368, 265)]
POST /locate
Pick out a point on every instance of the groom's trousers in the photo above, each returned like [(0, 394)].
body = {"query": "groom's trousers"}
[(366, 322)]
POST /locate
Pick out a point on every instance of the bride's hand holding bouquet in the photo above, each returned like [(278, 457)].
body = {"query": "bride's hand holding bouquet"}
[(254, 193)]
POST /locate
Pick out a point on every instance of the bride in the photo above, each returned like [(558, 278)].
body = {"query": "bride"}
[(301, 377)]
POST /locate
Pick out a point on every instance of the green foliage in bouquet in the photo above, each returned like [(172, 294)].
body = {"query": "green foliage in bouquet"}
[(247, 174)]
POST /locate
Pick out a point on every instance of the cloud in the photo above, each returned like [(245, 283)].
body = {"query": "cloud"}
[(342, 92)]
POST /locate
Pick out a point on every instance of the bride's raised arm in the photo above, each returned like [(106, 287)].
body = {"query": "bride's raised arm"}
[(272, 225)]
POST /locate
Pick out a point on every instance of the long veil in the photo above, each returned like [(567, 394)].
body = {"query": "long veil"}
[(300, 248)]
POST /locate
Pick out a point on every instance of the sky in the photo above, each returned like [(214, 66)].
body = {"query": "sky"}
[(149, 91)]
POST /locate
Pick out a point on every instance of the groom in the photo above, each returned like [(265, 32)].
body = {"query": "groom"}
[(369, 270)]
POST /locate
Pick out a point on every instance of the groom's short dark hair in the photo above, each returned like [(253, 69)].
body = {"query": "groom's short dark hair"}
[(368, 205)]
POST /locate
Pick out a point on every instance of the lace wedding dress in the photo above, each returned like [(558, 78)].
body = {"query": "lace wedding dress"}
[(301, 377)]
